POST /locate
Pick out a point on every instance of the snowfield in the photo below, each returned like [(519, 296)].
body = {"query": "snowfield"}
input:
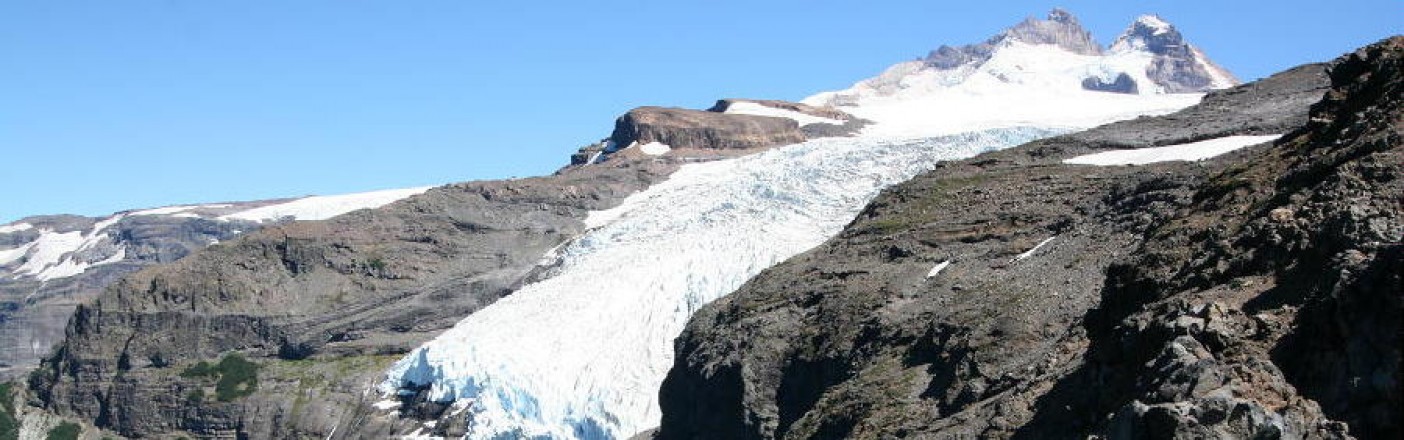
[(582, 354), (55, 255), (325, 207), (1186, 152), (1021, 85)]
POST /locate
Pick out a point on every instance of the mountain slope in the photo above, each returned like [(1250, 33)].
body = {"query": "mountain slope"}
[(1253, 295), (50, 264)]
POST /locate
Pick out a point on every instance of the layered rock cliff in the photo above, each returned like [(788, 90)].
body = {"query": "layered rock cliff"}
[(1256, 294)]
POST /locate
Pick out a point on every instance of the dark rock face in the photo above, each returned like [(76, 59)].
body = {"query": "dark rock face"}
[(1060, 29), (1254, 295), (1177, 66), (696, 129), (323, 307), (1121, 84), (33, 312)]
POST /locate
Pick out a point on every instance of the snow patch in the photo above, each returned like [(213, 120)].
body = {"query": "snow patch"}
[(325, 207), (655, 148), (757, 109), (17, 227), (1030, 252), (49, 249), (387, 404), (1192, 151), (8, 256), (938, 268), (582, 354)]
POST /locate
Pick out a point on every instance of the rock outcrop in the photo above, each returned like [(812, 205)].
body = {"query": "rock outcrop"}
[(1256, 294), (1059, 29), (35, 304), (1176, 66), (697, 129)]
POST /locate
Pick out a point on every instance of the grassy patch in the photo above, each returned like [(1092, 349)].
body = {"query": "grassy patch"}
[(9, 421), (234, 377), (65, 431)]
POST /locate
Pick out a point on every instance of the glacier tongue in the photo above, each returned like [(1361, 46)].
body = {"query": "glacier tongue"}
[(582, 354)]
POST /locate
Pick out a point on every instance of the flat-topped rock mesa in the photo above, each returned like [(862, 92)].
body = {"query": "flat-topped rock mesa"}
[(686, 128), (730, 124)]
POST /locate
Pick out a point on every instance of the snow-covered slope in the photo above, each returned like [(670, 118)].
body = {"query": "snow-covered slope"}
[(582, 353), (1040, 72), (54, 251), (1192, 151)]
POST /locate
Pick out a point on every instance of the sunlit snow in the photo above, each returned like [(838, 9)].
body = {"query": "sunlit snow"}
[(581, 354), (325, 207), (1021, 85), (17, 227), (1184, 152), (751, 108)]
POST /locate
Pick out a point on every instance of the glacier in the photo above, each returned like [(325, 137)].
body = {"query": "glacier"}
[(581, 354)]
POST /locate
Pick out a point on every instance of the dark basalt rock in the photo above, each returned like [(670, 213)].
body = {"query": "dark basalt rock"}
[(1121, 84)]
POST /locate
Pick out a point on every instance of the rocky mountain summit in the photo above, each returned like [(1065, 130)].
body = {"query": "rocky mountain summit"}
[(1013, 295), (1176, 65)]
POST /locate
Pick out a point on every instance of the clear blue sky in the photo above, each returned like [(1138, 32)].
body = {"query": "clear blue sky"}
[(110, 105)]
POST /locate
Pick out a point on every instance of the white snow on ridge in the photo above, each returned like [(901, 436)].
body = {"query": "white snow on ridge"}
[(751, 108), (325, 207), (179, 209), (17, 227), (1021, 85), (582, 354), (49, 249), (1192, 151)]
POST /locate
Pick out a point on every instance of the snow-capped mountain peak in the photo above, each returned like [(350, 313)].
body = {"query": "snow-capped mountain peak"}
[(1176, 65), (1035, 70)]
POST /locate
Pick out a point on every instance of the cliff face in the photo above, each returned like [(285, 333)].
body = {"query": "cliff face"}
[(36, 300), (1013, 295), (320, 307), (684, 128)]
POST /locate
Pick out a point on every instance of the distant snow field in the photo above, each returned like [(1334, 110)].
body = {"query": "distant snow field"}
[(325, 207), (1192, 151), (53, 255)]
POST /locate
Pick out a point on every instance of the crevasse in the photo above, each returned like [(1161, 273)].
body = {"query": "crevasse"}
[(582, 354)]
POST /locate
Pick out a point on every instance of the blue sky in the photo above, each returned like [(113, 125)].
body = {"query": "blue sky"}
[(108, 105)]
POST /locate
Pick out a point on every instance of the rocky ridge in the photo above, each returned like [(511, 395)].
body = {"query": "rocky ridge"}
[(1252, 295)]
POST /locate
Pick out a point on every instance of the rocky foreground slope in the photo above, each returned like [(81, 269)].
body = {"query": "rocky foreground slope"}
[(1254, 295)]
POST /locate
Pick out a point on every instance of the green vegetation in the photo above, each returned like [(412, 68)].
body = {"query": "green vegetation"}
[(9, 420), (237, 378), (65, 431), (234, 377), (377, 264)]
